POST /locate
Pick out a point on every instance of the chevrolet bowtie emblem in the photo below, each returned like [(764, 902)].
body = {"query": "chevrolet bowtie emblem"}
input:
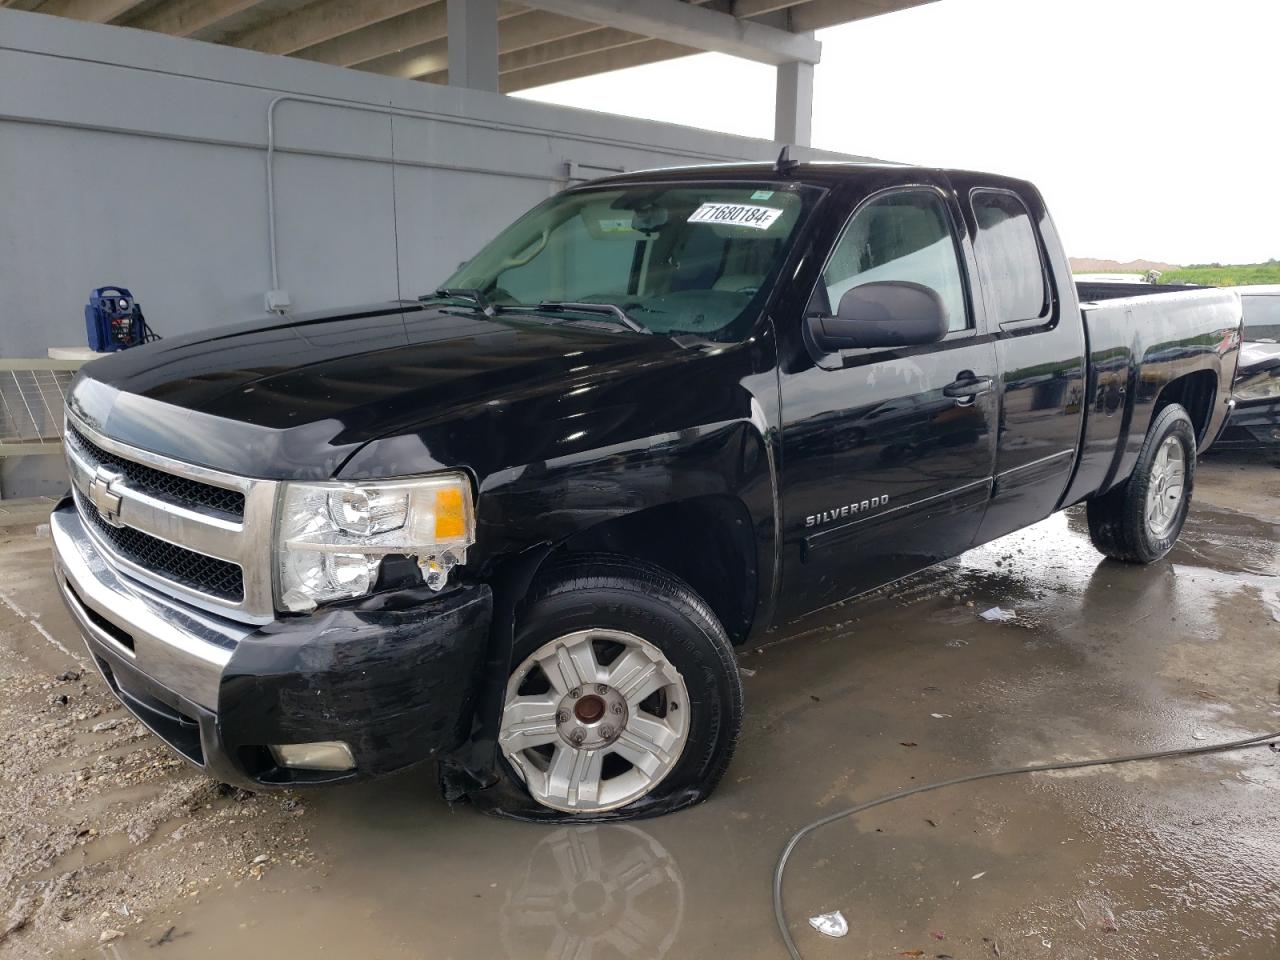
[(104, 498)]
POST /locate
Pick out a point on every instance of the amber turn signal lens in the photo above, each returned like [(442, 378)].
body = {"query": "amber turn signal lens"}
[(451, 518)]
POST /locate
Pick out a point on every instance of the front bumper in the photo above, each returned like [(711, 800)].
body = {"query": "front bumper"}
[(1252, 426), (394, 676)]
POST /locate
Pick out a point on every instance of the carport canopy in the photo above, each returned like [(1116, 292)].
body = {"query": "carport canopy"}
[(503, 46)]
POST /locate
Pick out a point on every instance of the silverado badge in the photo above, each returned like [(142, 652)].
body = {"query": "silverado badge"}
[(846, 510)]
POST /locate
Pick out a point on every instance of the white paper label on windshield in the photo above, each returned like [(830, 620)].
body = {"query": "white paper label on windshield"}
[(736, 214)]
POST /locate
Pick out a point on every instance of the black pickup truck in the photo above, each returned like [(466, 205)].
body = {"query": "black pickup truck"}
[(519, 526)]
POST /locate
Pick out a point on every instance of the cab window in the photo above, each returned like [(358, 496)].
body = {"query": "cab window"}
[(1009, 258), (901, 236)]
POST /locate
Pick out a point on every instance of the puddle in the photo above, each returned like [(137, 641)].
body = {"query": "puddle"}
[(96, 851)]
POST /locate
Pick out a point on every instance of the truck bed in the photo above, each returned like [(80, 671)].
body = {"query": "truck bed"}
[(1136, 345), (1093, 292)]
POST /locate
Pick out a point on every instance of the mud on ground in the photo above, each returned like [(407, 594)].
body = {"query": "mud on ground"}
[(99, 823)]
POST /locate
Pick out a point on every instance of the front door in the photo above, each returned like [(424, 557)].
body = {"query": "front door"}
[(888, 453)]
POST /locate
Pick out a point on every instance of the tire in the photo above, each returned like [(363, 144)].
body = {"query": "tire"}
[(612, 657), (1123, 523)]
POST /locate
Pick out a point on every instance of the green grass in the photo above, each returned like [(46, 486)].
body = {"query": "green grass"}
[(1225, 275)]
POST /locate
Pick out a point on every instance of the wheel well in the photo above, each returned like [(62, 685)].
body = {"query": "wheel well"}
[(705, 541), (1195, 392)]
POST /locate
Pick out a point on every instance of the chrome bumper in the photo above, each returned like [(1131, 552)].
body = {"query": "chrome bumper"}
[(179, 647), (394, 677)]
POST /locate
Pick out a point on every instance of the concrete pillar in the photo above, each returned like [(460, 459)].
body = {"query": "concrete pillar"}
[(473, 44), (793, 104)]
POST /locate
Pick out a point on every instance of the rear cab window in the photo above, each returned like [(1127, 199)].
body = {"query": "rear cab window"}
[(1010, 259)]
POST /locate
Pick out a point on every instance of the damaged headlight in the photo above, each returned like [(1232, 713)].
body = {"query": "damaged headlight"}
[(331, 537), (1259, 386)]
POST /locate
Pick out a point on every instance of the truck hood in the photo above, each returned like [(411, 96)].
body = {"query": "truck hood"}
[(296, 398)]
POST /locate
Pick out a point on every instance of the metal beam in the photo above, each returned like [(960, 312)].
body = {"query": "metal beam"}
[(473, 44), (570, 48), (597, 40), (634, 55), (9, 364), (428, 60), (420, 35), (817, 14), (317, 23), (33, 449), (99, 11), (412, 29), (182, 18), (754, 8), (535, 27), (692, 26), (418, 61)]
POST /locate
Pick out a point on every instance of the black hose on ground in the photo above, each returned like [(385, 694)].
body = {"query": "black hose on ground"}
[(1265, 739)]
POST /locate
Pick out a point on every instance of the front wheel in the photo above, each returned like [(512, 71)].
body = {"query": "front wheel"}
[(625, 697), (1140, 520)]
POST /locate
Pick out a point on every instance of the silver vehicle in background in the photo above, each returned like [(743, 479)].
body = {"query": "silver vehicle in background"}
[(1255, 419)]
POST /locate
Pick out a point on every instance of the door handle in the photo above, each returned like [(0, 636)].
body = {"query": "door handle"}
[(966, 390)]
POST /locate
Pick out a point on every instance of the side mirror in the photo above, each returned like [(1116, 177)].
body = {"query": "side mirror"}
[(887, 313)]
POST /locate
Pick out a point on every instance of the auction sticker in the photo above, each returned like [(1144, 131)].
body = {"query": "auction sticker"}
[(737, 215)]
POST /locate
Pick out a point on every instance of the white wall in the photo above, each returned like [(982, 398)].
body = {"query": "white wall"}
[(136, 159)]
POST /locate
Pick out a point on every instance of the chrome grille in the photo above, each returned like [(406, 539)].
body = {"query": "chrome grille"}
[(167, 486), (209, 575), (200, 535)]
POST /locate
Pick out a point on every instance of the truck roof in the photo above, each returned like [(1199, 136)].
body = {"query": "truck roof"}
[(819, 173)]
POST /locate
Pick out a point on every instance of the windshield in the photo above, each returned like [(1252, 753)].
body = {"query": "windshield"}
[(677, 258)]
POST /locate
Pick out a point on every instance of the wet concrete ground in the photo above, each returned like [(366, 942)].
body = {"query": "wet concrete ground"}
[(1178, 859)]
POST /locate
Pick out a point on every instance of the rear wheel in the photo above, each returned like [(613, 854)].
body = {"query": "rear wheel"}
[(626, 691), (1140, 520)]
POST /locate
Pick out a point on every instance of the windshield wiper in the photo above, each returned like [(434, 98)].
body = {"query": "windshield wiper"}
[(464, 293), (612, 309)]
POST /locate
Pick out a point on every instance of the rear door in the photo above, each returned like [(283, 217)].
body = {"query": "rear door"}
[(1040, 346), (887, 453)]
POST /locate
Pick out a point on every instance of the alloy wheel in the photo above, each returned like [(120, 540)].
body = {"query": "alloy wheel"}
[(594, 720), (1164, 489)]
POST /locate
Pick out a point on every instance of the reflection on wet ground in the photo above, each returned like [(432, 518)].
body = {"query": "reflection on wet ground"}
[(1173, 860)]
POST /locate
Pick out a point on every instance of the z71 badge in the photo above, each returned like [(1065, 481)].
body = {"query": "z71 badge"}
[(848, 510)]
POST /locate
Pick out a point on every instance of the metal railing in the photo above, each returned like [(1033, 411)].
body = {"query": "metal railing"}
[(32, 397)]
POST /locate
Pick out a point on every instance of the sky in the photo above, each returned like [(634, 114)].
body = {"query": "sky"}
[(1151, 126)]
